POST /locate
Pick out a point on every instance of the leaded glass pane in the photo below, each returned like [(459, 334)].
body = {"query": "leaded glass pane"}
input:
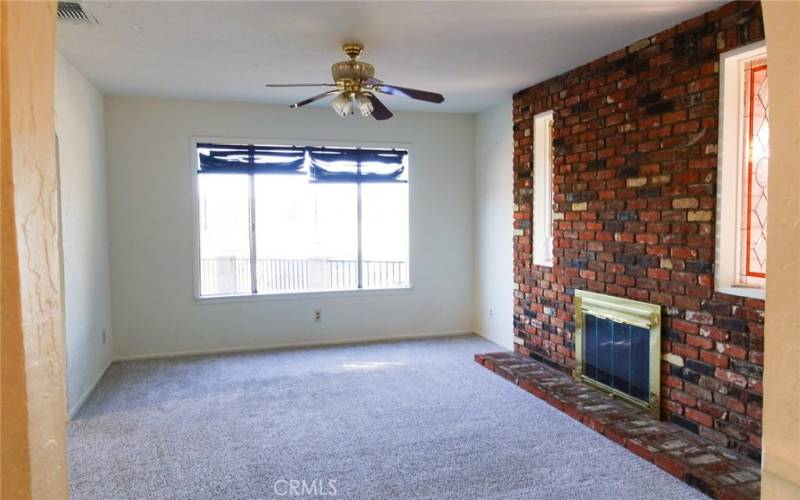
[(755, 169)]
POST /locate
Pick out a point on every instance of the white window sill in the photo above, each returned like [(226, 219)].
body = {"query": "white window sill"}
[(543, 263), (305, 295), (742, 291)]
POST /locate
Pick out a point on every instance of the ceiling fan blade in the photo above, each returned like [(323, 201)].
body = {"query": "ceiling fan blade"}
[(421, 95), (312, 99), (300, 85), (379, 111)]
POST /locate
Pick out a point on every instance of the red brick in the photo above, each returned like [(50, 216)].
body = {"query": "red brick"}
[(732, 377), (530, 387), (673, 381), (573, 412), (685, 351), (714, 358), (672, 465), (735, 405), (747, 491), (701, 342), (713, 333), (683, 398), (615, 434), (593, 423), (699, 417), (732, 350), (672, 407), (638, 241), (639, 449), (555, 403)]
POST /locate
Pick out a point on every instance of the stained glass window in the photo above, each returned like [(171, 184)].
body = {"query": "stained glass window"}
[(754, 174)]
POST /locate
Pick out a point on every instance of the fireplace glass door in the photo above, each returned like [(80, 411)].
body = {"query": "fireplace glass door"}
[(617, 355), (618, 347)]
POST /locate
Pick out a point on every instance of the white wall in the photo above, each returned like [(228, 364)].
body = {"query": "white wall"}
[(494, 215), (152, 241), (84, 220)]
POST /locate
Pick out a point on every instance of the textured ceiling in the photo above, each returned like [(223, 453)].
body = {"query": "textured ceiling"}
[(475, 53)]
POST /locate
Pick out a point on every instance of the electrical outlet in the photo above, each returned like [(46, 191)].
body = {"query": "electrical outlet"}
[(317, 315), (491, 313), (104, 335)]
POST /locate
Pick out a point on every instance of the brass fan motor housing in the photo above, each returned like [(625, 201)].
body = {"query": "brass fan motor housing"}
[(351, 75)]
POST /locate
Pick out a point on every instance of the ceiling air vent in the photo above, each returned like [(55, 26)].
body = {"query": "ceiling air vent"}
[(74, 12)]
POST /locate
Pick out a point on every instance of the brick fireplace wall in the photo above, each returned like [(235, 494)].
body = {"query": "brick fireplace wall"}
[(635, 172)]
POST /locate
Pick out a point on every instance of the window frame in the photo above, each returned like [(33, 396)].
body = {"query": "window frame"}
[(543, 217), (729, 172), (282, 295)]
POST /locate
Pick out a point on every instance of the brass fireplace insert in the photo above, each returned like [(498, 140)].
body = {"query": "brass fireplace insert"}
[(618, 347)]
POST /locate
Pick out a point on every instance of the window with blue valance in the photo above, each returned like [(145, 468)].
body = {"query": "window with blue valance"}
[(320, 164), (296, 219)]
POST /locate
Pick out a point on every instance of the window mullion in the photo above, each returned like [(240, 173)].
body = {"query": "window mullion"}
[(253, 269), (359, 264)]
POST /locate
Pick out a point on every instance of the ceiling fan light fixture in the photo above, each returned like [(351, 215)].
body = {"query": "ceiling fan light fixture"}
[(343, 104), (365, 106), (355, 87)]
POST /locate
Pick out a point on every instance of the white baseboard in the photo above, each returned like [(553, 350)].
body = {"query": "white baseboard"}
[(78, 404), (294, 345), (495, 341)]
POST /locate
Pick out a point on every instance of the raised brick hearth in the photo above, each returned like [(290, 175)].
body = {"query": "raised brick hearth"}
[(634, 188), (713, 469)]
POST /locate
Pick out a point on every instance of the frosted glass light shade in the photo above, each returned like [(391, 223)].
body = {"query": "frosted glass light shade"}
[(364, 105), (342, 104)]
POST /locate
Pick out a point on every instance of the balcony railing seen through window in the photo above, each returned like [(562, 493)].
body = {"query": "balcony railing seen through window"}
[(231, 275)]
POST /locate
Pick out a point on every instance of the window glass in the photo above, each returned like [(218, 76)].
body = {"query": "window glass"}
[(543, 189), (547, 209), (307, 234), (224, 234), (384, 208)]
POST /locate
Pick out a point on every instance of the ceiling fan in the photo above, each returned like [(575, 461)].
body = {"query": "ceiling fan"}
[(356, 87)]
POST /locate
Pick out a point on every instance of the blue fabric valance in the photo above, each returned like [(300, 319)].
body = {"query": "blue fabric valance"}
[(250, 159), (319, 164), (357, 165)]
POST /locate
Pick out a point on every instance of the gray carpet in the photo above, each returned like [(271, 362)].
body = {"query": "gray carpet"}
[(416, 419)]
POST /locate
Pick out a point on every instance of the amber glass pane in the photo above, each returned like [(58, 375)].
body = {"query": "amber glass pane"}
[(755, 169)]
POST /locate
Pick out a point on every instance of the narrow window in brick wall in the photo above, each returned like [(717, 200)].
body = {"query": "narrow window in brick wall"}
[(743, 172), (543, 189), (755, 165)]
